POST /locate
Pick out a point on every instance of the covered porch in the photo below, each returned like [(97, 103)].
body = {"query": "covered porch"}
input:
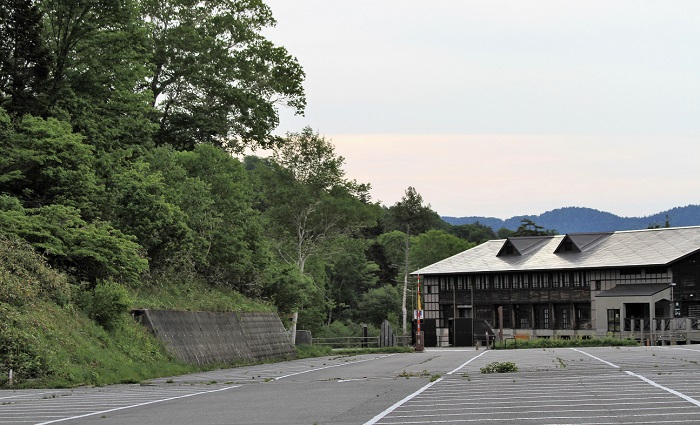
[(644, 312)]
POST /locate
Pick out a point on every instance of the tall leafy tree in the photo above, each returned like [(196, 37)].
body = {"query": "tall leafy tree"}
[(350, 275), (411, 216), (138, 204), (435, 245), (378, 304), (101, 63), (237, 253), (309, 203), (215, 77), (312, 201), (25, 61)]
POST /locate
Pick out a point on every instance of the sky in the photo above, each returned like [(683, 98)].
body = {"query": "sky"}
[(504, 108)]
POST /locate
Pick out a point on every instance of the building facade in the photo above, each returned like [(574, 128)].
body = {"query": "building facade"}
[(643, 284)]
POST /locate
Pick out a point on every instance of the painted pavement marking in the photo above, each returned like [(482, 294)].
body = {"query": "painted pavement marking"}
[(408, 398), (570, 392)]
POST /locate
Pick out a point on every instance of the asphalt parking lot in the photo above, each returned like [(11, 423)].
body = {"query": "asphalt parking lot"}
[(627, 385)]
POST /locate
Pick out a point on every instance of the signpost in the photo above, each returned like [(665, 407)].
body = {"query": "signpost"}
[(420, 346)]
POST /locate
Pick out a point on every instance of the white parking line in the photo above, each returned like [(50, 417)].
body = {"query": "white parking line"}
[(647, 380), (399, 403), (674, 392), (396, 405), (331, 366), (466, 363), (597, 358), (135, 405)]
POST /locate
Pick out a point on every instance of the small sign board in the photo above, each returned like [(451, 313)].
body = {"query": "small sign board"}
[(416, 314)]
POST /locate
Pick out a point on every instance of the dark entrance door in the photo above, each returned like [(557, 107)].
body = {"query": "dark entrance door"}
[(429, 329), (460, 332)]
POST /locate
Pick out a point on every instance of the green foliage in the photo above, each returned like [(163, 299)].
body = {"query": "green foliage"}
[(215, 78), (504, 233), (106, 303), (476, 232), (300, 217), (306, 351), (411, 216), (499, 367), (90, 251), (287, 288), (49, 346), (562, 343), (435, 245), (24, 59), (44, 162), (138, 206), (18, 348), (101, 63), (25, 277), (377, 304), (350, 274), (173, 292), (394, 245), (343, 329), (229, 231)]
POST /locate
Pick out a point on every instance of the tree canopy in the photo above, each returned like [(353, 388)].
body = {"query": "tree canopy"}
[(120, 122)]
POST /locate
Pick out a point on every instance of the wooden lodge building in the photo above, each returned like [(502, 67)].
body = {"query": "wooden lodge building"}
[(642, 283)]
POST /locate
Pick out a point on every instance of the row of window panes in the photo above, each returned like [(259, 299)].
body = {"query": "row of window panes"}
[(514, 281)]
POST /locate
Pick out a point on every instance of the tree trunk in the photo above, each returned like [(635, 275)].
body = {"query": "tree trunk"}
[(405, 284)]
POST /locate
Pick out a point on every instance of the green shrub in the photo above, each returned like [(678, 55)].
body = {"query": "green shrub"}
[(106, 303), (499, 367), (24, 275), (306, 350), (563, 343), (18, 350)]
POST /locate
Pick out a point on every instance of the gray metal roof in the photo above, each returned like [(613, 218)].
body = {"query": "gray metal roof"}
[(631, 248), (634, 290)]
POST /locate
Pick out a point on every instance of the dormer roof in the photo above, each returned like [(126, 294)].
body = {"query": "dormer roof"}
[(579, 242), (521, 245)]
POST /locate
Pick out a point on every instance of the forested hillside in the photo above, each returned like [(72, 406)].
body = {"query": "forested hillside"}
[(577, 219), (122, 124)]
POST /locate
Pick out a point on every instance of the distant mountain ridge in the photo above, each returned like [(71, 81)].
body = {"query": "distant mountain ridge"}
[(579, 219)]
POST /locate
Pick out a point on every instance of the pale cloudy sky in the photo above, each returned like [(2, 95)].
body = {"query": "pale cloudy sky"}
[(502, 108)]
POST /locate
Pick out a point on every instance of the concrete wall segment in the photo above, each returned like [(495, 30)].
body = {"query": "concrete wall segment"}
[(207, 337)]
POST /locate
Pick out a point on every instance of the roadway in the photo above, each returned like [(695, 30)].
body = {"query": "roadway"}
[(628, 385)]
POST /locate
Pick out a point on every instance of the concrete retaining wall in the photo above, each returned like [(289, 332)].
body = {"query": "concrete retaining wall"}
[(207, 337)]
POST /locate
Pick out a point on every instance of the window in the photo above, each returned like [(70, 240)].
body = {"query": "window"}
[(655, 270), (597, 285), (613, 320), (541, 316), (565, 318)]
